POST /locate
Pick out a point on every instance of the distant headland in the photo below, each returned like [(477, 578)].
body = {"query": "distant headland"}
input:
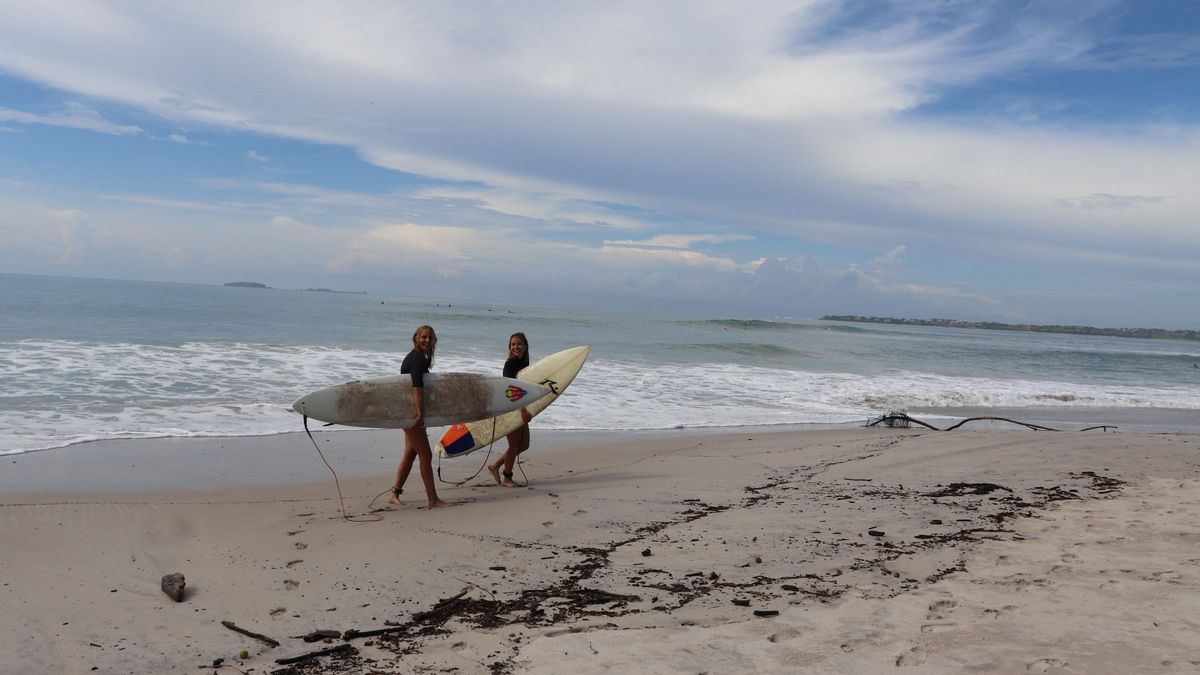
[(255, 284), (1146, 333), (330, 290)]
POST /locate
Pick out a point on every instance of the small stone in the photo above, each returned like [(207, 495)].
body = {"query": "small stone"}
[(646, 553), (173, 586), (875, 533)]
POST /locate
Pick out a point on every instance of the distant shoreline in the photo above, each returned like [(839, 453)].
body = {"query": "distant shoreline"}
[(255, 284), (1144, 333)]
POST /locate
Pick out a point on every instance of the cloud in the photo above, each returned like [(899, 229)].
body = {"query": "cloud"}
[(74, 235), (1107, 201), (713, 149), (146, 200), (72, 116), (678, 241)]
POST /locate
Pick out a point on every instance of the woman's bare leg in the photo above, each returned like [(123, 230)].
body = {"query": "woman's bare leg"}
[(518, 442), (420, 444), (402, 471)]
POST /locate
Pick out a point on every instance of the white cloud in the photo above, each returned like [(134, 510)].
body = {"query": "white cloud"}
[(72, 116), (636, 138), (678, 241)]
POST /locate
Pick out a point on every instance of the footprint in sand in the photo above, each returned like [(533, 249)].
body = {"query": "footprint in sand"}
[(870, 639), (785, 635), (1001, 613), (1045, 665), (937, 627), (912, 657), (1170, 576), (938, 610), (291, 584)]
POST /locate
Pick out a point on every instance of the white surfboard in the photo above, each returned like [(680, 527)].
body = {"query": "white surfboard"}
[(450, 398), (556, 371)]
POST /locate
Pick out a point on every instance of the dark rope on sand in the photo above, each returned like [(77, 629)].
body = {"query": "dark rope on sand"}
[(902, 420), (341, 500)]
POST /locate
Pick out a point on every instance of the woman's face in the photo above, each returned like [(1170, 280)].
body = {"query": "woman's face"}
[(425, 340), (516, 348)]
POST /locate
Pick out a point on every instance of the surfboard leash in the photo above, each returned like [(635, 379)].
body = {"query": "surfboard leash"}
[(369, 518)]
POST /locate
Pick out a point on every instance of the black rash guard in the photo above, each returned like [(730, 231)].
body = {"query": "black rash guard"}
[(416, 364), (514, 366)]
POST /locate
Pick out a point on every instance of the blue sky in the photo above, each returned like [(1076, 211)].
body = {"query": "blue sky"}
[(1008, 161)]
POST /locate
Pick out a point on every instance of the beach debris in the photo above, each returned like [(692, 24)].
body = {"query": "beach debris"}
[(646, 553), (741, 602), (173, 585), (766, 612), (320, 652), (257, 636), (962, 489), (875, 533), (898, 419), (318, 635)]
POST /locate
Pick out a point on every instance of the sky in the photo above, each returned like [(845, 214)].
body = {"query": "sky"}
[(1023, 162)]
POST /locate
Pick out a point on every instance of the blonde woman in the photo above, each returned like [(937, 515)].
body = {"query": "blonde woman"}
[(416, 441)]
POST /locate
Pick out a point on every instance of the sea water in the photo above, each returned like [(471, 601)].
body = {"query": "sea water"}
[(89, 359)]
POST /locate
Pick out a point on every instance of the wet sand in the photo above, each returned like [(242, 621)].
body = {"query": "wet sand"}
[(838, 550)]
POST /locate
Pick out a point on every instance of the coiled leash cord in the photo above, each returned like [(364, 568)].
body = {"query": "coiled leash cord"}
[(368, 518)]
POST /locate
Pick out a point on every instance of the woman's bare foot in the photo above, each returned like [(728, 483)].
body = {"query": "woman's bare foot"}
[(438, 504), (508, 483), (394, 498), (495, 469)]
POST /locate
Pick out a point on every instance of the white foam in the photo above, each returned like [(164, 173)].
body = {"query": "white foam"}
[(60, 393)]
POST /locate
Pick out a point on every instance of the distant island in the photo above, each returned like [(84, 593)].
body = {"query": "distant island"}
[(330, 290), (1147, 333), (247, 284)]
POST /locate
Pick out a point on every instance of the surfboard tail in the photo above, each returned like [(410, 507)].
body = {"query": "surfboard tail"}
[(457, 440)]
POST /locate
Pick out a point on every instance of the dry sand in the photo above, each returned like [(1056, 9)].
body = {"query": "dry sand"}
[(844, 551)]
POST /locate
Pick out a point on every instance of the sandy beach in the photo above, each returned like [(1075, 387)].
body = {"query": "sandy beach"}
[(754, 551)]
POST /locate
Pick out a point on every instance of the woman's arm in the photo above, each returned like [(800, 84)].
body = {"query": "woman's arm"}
[(418, 397)]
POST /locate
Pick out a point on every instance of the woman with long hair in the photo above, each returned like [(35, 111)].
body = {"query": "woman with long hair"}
[(518, 441), (416, 441)]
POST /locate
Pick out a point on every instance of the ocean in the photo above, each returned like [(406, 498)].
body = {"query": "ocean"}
[(91, 359)]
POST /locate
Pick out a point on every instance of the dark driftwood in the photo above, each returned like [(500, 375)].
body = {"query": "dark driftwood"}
[(1035, 427), (313, 655), (257, 636), (355, 633), (892, 418)]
